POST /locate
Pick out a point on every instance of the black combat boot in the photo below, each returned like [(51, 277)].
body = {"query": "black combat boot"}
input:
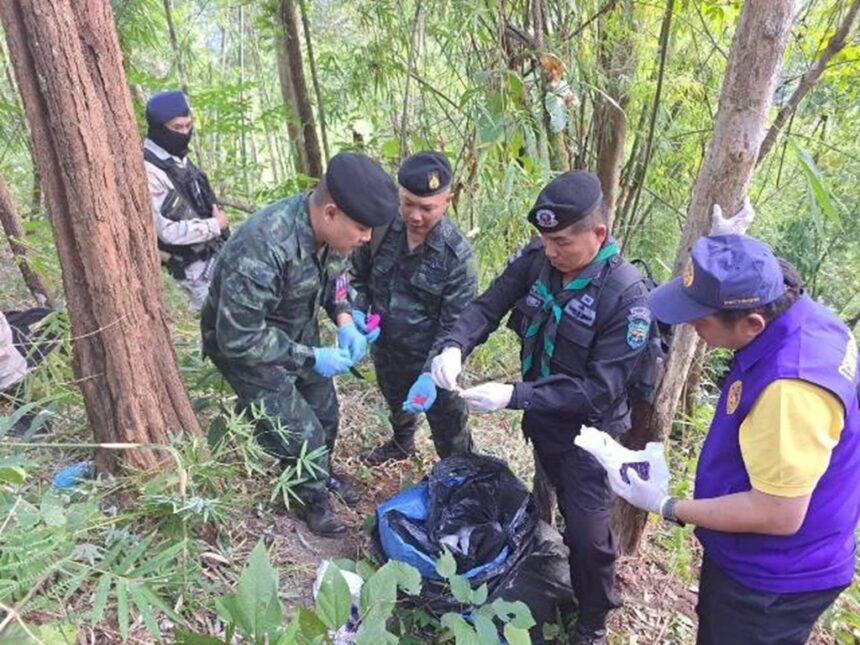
[(318, 515), (586, 635), (398, 448), (344, 487)]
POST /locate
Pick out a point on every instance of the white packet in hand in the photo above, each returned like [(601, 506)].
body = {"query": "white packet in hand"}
[(649, 464)]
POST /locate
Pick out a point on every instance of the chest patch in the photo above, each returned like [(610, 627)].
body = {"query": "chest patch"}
[(733, 398), (582, 310)]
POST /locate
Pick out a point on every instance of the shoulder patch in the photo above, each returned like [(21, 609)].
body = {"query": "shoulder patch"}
[(638, 327)]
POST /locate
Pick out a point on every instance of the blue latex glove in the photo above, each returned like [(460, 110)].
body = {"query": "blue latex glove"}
[(329, 361), (360, 319), (353, 341), (421, 395), (71, 475)]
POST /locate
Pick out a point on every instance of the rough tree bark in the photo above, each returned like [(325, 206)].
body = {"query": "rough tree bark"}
[(617, 58), (753, 68), (810, 78), (312, 62), (69, 70), (292, 48), (14, 230), (294, 130)]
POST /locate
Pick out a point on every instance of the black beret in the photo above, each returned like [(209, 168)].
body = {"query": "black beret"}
[(425, 173), (566, 200), (362, 189)]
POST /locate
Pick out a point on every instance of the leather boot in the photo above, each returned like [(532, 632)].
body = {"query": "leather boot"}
[(585, 635), (395, 449), (343, 487), (319, 516)]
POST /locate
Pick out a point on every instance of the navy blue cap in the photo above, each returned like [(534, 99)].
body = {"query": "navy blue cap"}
[(565, 200), (725, 272), (425, 174), (165, 106), (362, 189)]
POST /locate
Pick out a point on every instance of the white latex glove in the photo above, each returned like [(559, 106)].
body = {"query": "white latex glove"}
[(737, 225), (640, 493), (446, 367), (488, 397)]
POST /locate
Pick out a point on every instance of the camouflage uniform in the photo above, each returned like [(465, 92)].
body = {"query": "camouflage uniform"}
[(260, 325), (419, 296)]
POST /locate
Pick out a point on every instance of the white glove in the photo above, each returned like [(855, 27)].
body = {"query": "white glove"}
[(640, 493), (446, 367), (737, 225), (488, 397)]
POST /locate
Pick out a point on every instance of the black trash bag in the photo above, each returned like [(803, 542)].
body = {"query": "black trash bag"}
[(487, 519)]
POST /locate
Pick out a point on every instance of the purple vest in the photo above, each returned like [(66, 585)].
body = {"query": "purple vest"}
[(810, 343)]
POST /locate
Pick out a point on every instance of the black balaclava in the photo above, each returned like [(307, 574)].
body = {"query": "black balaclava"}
[(160, 109)]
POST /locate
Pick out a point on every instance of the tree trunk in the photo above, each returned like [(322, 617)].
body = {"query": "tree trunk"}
[(14, 231), (288, 93), (617, 58), (810, 78), (753, 67), (174, 45), (69, 69), (312, 62), (293, 51)]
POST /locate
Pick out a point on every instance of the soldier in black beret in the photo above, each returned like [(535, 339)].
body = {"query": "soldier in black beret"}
[(259, 322), (580, 312), (418, 274)]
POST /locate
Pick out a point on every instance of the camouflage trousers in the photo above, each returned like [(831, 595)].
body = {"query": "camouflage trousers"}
[(448, 418), (305, 406)]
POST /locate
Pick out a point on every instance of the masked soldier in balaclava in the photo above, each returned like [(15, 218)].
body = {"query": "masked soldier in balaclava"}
[(189, 225)]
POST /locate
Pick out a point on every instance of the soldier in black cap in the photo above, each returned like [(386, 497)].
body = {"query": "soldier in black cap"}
[(259, 322), (418, 274), (580, 312)]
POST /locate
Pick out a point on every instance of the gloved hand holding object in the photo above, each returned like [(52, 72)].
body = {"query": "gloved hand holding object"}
[(446, 367), (488, 397), (737, 225), (352, 340), (639, 476), (421, 395), (329, 361), (367, 325)]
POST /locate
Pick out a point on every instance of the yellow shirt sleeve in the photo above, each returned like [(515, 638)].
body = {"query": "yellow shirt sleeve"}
[(787, 437)]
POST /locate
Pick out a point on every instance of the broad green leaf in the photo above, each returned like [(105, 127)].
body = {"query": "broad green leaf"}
[(487, 632), (333, 600), (372, 632), (464, 633), (446, 566), (517, 636), (122, 607), (311, 628), (818, 189), (51, 509), (12, 475), (255, 608), (181, 637), (479, 595), (461, 589), (516, 613)]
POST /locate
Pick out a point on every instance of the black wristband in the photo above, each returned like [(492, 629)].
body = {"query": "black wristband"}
[(667, 510)]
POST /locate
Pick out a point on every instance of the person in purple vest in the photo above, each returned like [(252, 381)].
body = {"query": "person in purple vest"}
[(778, 482)]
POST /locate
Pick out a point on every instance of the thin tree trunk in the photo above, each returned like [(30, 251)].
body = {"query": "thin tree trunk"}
[(810, 78), (174, 45), (69, 70), (617, 57), (269, 138), (753, 68), (14, 230), (410, 63), (243, 134), (306, 26), (293, 50), (288, 93)]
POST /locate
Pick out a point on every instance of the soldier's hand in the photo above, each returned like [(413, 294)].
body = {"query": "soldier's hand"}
[(446, 367), (736, 225), (353, 341), (421, 395), (367, 325), (488, 397), (329, 361), (220, 217)]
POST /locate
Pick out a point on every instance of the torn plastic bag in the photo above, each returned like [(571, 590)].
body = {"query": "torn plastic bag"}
[(476, 508)]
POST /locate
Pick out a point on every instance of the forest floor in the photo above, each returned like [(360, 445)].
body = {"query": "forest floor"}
[(658, 585)]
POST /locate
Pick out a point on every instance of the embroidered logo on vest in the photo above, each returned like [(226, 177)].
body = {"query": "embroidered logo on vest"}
[(733, 399), (848, 366)]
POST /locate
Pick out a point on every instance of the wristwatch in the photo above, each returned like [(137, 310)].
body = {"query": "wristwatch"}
[(667, 511)]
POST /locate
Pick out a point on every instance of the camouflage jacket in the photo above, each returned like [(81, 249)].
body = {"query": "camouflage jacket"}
[(419, 294), (268, 287)]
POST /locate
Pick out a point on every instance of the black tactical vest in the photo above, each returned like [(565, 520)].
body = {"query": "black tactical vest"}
[(193, 190)]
